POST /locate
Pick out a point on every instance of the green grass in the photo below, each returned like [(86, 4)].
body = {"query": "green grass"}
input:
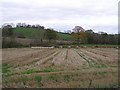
[(30, 71), (53, 78), (37, 71), (5, 69), (66, 78), (100, 66), (105, 72), (27, 32), (38, 78), (48, 70), (118, 82), (63, 36), (102, 73), (95, 45), (31, 32)]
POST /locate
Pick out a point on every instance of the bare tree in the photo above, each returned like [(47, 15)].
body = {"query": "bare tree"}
[(78, 29)]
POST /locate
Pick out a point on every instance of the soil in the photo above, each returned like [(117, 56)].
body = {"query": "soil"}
[(60, 67)]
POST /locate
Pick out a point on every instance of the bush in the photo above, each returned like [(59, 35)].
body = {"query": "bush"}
[(19, 35), (11, 44)]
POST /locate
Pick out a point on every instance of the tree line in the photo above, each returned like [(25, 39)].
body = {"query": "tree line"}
[(79, 35), (8, 30), (90, 37)]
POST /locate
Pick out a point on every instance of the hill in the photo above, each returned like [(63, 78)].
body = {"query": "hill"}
[(31, 32)]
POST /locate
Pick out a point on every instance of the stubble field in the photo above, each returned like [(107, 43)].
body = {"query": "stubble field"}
[(60, 68)]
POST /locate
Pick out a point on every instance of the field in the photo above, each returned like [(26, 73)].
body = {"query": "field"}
[(60, 67), (31, 32), (27, 32)]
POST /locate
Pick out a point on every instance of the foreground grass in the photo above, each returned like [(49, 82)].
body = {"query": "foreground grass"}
[(5, 69), (100, 79), (30, 71), (91, 45)]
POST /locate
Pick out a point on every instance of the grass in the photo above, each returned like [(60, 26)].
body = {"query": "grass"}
[(102, 73), (100, 66), (5, 69), (97, 45), (66, 78), (90, 45), (105, 72), (118, 82), (53, 78), (27, 32), (38, 78), (48, 70), (30, 71), (63, 36)]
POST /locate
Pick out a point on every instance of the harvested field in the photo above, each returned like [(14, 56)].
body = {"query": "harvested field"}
[(60, 67)]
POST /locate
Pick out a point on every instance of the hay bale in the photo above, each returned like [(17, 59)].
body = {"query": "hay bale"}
[(41, 47), (77, 46), (69, 46), (60, 46)]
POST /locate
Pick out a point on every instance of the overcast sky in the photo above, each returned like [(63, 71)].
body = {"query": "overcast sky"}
[(98, 15)]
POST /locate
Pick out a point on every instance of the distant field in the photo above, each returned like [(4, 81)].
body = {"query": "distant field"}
[(55, 68), (27, 32), (92, 45), (31, 32), (64, 36)]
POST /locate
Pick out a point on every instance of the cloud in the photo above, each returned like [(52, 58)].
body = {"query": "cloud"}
[(63, 14)]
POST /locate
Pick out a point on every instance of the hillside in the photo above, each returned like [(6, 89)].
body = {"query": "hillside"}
[(27, 32), (31, 32)]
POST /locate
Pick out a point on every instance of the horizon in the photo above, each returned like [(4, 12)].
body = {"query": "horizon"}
[(63, 15), (14, 25)]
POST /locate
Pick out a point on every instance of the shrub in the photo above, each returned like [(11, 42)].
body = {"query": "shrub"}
[(11, 44)]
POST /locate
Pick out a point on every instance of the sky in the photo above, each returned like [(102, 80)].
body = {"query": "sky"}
[(63, 15)]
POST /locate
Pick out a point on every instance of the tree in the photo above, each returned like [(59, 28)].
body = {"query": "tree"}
[(79, 34), (104, 38), (18, 25), (7, 31), (78, 29), (50, 34), (38, 38), (90, 38)]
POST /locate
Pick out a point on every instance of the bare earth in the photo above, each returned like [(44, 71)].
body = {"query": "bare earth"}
[(58, 68)]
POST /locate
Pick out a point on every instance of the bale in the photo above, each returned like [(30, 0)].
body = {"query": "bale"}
[(41, 47), (77, 46), (60, 46), (69, 46)]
